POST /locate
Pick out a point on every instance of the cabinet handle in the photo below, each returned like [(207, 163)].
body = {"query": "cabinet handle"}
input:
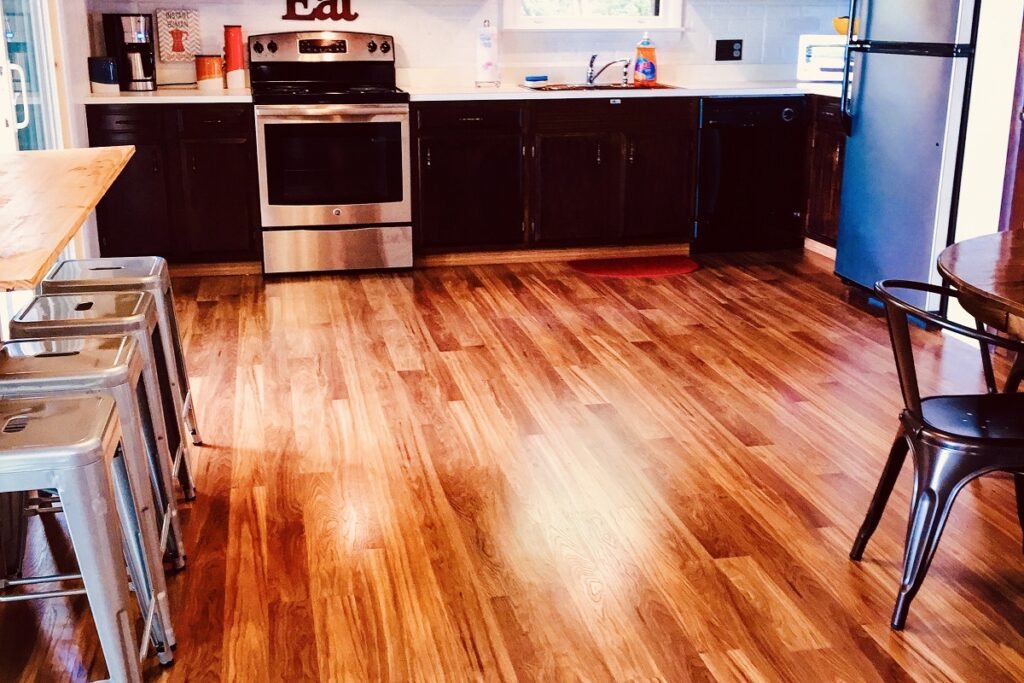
[(632, 153), (599, 154), (194, 163), (430, 161), (471, 119), (213, 121), (156, 162)]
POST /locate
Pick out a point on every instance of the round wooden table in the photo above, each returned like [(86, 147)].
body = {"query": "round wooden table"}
[(990, 270), (989, 273)]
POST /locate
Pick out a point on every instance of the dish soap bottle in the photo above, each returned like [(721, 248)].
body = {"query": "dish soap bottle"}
[(645, 69)]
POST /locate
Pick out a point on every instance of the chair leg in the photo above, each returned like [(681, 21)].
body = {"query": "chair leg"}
[(1013, 380), (986, 364), (939, 476), (891, 472)]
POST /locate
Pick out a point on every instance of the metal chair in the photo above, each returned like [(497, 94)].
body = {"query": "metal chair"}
[(954, 439), (134, 274), (119, 313), (73, 445), (112, 366)]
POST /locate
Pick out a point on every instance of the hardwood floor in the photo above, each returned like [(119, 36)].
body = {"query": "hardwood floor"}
[(520, 473)]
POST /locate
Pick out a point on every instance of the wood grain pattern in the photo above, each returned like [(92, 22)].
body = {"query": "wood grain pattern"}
[(518, 473), (990, 267), (45, 198)]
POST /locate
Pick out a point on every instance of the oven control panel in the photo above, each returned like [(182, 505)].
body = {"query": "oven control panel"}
[(321, 46)]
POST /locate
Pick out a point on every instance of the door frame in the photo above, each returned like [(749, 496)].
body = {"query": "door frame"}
[(1011, 214)]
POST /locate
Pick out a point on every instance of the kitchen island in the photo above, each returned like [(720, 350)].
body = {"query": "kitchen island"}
[(45, 197)]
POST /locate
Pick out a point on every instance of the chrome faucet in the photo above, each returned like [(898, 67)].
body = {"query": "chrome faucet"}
[(593, 76)]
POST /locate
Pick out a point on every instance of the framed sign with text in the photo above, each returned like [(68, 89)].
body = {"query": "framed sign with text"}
[(319, 10)]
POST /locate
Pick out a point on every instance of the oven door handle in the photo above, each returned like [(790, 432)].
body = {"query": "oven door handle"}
[(320, 111)]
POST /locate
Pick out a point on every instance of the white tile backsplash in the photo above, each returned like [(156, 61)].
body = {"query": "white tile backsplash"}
[(439, 34)]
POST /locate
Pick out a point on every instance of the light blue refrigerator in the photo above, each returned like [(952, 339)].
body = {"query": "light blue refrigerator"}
[(905, 97)]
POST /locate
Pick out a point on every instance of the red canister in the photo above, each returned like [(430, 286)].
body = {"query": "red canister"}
[(234, 56)]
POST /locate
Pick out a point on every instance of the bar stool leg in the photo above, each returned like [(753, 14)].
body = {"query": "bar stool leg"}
[(92, 522), (191, 420), (165, 517)]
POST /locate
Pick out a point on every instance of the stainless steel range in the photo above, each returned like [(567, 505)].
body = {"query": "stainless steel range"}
[(333, 152)]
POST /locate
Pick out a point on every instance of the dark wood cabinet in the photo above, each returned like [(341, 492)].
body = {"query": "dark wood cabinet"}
[(470, 177), (134, 216), (658, 199), (574, 188), (825, 147), (189, 193), (220, 202), (613, 171)]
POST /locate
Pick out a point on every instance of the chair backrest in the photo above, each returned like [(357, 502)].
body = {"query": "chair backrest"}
[(898, 313)]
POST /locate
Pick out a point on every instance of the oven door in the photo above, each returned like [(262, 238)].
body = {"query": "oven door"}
[(333, 165)]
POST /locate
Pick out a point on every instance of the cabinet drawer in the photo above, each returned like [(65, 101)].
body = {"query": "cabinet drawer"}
[(599, 113), (217, 121), (461, 116), (124, 124)]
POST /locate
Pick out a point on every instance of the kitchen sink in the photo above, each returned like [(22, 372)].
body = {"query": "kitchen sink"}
[(573, 87)]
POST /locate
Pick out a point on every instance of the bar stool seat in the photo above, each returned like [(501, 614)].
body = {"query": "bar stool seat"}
[(109, 365), (118, 313), (126, 274), (71, 445)]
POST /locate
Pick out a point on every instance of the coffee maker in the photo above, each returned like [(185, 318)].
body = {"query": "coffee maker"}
[(129, 39)]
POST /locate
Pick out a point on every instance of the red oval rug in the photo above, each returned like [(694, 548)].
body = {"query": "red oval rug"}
[(641, 266)]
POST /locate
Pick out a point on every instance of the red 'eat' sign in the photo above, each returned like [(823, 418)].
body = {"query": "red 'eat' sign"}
[(325, 10)]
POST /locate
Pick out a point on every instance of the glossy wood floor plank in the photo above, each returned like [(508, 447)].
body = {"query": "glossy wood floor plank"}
[(519, 473)]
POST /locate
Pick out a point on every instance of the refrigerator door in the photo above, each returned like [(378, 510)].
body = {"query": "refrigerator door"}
[(899, 167), (915, 21)]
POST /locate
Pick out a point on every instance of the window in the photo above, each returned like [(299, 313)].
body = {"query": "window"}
[(593, 14)]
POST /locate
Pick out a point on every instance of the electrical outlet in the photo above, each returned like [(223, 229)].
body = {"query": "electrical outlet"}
[(730, 50)]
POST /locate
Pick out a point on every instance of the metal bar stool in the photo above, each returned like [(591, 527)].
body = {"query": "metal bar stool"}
[(134, 274), (73, 445), (112, 366), (118, 313)]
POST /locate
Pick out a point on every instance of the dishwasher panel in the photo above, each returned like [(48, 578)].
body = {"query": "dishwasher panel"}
[(751, 186)]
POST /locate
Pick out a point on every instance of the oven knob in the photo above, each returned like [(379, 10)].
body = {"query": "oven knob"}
[(272, 46), (337, 212), (257, 47), (385, 47), (371, 46)]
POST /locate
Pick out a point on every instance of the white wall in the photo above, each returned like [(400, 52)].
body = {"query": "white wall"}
[(439, 34)]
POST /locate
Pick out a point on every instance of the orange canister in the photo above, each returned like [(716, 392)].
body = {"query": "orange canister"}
[(210, 72)]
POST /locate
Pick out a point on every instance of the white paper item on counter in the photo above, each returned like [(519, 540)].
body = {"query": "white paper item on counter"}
[(487, 69)]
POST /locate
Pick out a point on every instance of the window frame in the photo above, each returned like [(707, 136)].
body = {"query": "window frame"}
[(669, 19)]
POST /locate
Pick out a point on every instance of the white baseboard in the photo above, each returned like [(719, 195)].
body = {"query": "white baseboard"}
[(820, 249)]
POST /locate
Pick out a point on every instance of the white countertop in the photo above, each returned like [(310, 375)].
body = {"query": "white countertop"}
[(516, 92), (508, 91), (174, 95)]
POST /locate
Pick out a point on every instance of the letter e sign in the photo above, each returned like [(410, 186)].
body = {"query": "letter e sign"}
[(333, 10)]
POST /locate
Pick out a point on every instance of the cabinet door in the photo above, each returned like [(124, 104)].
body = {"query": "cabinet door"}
[(132, 218), (218, 187), (576, 199), (471, 190), (825, 169), (659, 186)]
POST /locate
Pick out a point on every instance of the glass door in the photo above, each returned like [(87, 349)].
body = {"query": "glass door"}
[(29, 73)]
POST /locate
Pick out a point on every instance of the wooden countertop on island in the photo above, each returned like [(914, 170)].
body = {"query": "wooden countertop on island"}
[(45, 197)]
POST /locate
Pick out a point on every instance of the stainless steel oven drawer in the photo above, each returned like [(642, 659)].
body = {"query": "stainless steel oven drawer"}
[(305, 251)]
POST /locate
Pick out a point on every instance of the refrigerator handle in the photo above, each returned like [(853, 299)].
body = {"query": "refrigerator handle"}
[(844, 96)]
